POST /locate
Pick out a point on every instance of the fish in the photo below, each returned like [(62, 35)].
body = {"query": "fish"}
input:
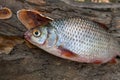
[(77, 39)]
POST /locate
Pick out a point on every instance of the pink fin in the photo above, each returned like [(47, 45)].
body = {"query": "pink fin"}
[(113, 61), (66, 52)]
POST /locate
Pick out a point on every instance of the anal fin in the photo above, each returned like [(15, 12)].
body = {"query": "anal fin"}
[(112, 61)]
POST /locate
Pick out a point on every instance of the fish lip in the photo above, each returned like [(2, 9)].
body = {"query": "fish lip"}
[(27, 35)]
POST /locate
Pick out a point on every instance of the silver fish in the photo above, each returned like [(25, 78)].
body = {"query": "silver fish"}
[(76, 39)]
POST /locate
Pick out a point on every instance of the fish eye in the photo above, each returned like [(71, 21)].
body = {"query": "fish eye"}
[(36, 33)]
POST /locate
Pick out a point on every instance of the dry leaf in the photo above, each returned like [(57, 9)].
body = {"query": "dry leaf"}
[(32, 18), (7, 43), (5, 13)]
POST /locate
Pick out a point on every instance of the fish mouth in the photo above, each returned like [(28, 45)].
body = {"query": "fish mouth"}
[(27, 35)]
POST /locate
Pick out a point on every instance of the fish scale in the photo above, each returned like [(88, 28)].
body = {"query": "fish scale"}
[(74, 33)]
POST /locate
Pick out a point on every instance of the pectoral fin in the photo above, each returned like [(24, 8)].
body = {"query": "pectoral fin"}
[(66, 53)]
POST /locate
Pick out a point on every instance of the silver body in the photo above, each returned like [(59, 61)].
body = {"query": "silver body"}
[(86, 38)]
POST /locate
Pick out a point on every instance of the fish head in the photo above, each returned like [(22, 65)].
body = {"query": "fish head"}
[(36, 36)]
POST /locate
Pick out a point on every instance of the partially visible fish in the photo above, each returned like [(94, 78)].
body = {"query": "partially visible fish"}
[(77, 39)]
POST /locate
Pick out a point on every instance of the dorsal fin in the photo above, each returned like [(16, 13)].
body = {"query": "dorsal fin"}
[(101, 25)]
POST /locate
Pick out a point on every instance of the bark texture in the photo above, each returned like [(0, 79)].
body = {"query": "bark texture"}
[(24, 63)]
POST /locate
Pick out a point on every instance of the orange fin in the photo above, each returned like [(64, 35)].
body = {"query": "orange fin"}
[(32, 18), (66, 52), (113, 61)]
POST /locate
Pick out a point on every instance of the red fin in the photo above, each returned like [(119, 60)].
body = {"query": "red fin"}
[(102, 25), (97, 62), (113, 61), (66, 52)]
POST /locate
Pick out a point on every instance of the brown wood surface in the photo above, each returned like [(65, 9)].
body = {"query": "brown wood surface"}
[(24, 63)]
